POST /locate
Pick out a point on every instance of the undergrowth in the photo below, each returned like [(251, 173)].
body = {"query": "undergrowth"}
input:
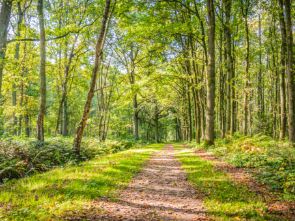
[(20, 158), (273, 161)]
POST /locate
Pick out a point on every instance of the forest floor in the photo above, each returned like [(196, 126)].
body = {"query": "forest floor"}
[(151, 183), (180, 183)]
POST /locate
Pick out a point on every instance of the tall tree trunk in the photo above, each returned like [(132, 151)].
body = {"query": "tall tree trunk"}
[(4, 23), (259, 77), (23, 90), (156, 119), (196, 102), (222, 80), (197, 115), (229, 65), (234, 102), (98, 58), (42, 74), (247, 77), (290, 72), (210, 74), (283, 117), (134, 99), (16, 57), (189, 111)]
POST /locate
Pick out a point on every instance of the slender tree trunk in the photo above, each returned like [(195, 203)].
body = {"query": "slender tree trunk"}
[(157, 135), (197, 111), (197, 117), (222, 80), (42, 74), (134, 99), (210, 75), (65, 118), (247, 84), (190, 121), (4, 23), (16, 57), (234, 102), (98, 58), (259, 77), (23, 91), (283, 117), (290, 72), (27, 125), (229, 65), (135, 118)]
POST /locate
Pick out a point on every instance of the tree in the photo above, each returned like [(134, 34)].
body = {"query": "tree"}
[(98, 57), (245, 11), (4, 23), (290, 71), (210, 74), (42, 73), (283, 118)]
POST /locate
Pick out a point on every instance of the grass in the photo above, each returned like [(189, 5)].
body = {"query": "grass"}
[(273, 161), (223, 199), (49, 195)]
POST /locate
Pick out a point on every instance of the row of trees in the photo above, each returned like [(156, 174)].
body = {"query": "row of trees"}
[(244, 51), (169, 69)]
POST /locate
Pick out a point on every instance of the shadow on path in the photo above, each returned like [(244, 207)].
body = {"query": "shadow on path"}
[(160, 192)]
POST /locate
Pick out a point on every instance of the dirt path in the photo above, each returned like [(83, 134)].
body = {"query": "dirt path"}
[(160, 192)]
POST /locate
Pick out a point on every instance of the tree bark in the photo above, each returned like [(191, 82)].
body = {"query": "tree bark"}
[(189, 112), (156, 119), (259, 77), (42, 73), (210, 75), (4, 23), (135, 118), (247, 84), (283, 117), (233, 92), (290, 72), (16, 57), (229, 65), (135, 104), (98, 58), (222, 80), (27, 125)]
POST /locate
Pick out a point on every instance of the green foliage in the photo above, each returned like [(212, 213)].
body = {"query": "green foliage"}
[(26, 157), (273, 161)]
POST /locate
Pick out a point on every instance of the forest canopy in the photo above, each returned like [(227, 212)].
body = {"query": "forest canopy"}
[(147, 70)]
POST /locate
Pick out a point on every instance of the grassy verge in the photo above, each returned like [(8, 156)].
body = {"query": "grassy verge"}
[(223, 199), (273, 161), (49, 195)]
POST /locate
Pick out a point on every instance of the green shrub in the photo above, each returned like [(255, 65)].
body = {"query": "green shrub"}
[(25, 157)]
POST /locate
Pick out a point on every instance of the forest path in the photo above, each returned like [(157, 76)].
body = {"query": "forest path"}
[(159, 192)]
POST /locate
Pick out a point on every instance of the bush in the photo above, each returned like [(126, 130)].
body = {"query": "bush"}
[(24, 157)]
